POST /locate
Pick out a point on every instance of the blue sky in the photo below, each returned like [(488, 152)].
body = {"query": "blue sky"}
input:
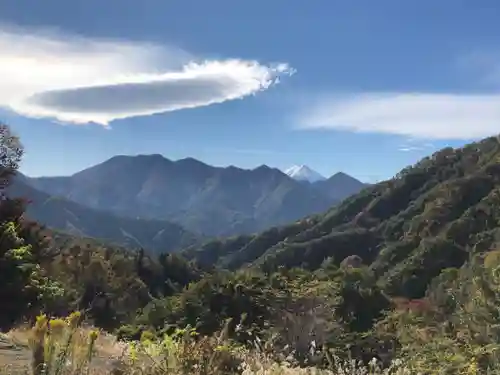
[(363, 87)]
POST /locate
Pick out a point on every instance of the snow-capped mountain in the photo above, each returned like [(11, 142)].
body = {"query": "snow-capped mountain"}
[(304, 173)]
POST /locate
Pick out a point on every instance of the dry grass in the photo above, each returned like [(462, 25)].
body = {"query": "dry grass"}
[(63, 348)]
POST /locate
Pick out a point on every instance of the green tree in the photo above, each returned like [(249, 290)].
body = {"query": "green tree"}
[(24, 286)]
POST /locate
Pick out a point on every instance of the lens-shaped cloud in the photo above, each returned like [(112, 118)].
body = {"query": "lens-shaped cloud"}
[(419, 115), (73, 79)]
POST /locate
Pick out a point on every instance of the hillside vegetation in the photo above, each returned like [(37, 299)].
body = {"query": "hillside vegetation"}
[(406, 270), (431, 216)]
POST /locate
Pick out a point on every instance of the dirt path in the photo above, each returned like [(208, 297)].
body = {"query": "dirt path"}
[(14, 356)]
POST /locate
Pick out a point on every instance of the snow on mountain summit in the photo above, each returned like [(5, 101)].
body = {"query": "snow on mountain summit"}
[(304, 173)]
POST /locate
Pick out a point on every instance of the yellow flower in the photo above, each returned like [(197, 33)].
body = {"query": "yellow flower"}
[(57, 326), (93, 335), (74, 319), (41, 320), (472, 370), (40, 328), (132, 352), (147, 336)]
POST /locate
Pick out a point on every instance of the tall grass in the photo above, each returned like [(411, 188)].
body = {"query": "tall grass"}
[(64, 347)]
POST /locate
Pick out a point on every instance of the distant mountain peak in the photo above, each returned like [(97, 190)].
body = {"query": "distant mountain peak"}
[(191, 162), (262, 167), (304, 173), (145, 156), (341, 176)]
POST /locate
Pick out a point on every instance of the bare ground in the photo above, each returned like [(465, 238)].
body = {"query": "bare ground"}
[(12, 356), (15, 355)]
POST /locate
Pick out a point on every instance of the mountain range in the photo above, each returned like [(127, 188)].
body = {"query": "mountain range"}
[(155, 192)]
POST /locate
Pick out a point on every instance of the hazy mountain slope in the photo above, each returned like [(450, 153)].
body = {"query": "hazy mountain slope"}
[(429, 217), (339, 186), (202, 198), (79, 220)]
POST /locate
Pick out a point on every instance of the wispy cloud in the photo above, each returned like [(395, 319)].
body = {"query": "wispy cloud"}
[(409, 148), (418, 115), (415, 145), (80, 80)]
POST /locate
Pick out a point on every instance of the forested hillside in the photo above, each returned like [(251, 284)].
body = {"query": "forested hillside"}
[(431, 216)]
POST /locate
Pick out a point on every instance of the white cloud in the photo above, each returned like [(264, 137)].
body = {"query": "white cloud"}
[(410, 148), (79, 80), (414, 144), (418, 115)]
